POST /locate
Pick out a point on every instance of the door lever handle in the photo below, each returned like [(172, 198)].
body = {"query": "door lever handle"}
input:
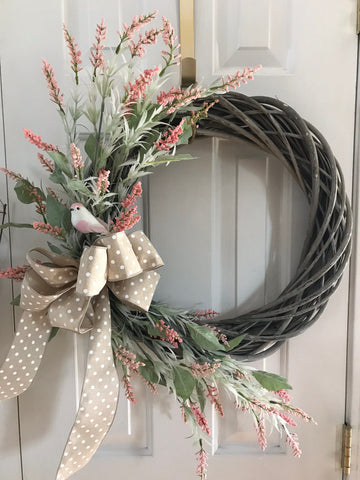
[(187, 42)]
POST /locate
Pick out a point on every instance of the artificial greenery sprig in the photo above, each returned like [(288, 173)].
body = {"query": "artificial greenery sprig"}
[(120, 123)]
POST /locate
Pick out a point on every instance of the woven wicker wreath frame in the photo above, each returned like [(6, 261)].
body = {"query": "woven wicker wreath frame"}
[(275, 127)]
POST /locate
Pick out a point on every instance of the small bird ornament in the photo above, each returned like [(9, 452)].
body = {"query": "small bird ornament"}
[(85, 222)]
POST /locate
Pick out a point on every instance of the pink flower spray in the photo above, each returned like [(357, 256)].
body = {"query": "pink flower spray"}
[(54, 90), (128, 217), (74, 52), (97, 57)]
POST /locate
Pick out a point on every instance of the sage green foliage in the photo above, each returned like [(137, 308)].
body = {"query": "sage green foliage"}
[(127, 140), (173, 368), (271, 381), (205, 338), (184, 382), (16, 301), (61, 163), (24, 191), (57, 214)]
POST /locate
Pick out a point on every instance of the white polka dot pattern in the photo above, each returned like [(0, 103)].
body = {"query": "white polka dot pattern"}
[(122, 261), (92, 271), (137, 292), (73, 295), (54, 275), (145, 251), (71, 312), (25, 354), (99, 396)]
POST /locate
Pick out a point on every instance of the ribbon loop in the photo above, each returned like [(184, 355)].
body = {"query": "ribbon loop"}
[(145, 251), (122, 261), (73, 295), (137, 292), (92, 271), (71, 311), (57, 274), (36, 293)]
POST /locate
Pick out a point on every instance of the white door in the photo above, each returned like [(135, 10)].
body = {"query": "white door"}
[(308, 62)]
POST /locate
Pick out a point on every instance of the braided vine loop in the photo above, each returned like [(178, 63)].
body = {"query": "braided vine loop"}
[(276, 128)]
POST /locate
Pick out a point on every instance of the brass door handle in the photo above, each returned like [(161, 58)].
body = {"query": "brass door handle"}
[(187, 42)]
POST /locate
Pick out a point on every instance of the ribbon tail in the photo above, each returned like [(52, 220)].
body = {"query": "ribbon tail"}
[(99, 395), (25, 355)]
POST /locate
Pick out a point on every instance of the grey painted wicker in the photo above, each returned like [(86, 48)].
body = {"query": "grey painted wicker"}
[(275, 127)]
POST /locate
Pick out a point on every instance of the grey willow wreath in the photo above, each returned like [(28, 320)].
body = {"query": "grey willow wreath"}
[(277, 128), (97, 278)]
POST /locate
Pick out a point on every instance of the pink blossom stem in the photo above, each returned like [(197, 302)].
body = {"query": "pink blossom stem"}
[(54, 92), (97, 57), (17, 274), (75, 54), (47, 228), (136, 24)]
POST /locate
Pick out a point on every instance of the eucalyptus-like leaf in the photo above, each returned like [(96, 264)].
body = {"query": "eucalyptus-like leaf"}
[(79, 186), (57, 176), (53, 333), (170, 158), (16, 301), (200, 395), (186, 135), (25, 192), (204, 337), (271, 381), (234, 342), (148, 371), (90, 147), (57, 214), (61, 162), (184, 382), (54, 248)]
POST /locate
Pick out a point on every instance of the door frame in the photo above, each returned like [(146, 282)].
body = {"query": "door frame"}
[(352, 393)]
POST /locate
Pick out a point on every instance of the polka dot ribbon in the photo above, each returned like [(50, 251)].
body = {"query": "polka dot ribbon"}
[(73, 295)]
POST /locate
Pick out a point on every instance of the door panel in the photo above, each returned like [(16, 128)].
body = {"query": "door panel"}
[(10, 460), (229, 226)]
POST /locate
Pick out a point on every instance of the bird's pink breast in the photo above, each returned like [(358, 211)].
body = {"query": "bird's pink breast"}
[(82, 226)]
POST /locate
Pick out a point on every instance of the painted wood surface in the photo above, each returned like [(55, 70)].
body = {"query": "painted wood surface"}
[(229, 226)]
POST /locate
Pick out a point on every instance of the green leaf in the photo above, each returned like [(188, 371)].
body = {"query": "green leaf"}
[(271, 381), (200, 395), (24, 192), (152, 330), (54, 248), (90, 147), (57, 176), (186, 135), (79, 186), (148, 372), (184, 382), (61, 162), (204, 337), (53, 332), (16, 225), (170, 158), (95, 152), (234, 342), (57, 214), (16, 301)]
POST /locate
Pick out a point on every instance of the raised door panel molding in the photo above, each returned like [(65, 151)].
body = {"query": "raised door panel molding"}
[(230, 233), (132, 430), (255, 32), (10, 461)]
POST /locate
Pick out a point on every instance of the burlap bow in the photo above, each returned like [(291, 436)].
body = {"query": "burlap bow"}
[(73, 295)]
